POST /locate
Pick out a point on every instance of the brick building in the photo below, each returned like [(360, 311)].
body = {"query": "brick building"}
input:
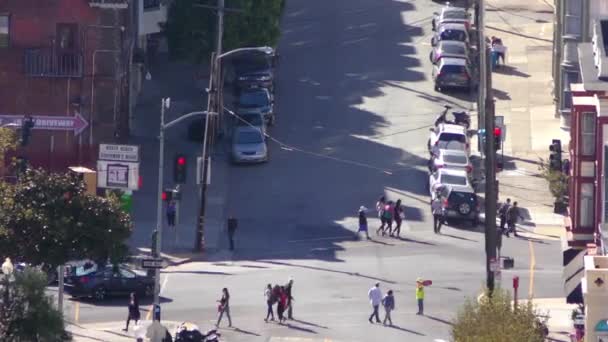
[(69, 59)]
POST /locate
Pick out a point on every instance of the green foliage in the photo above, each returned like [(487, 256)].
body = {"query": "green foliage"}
[(191, 31), (558, 181), (29, 314), (494, 320), (48, 219), (8, 141)]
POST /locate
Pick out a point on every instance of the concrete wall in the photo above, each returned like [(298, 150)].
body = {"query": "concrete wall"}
[(149, 19)]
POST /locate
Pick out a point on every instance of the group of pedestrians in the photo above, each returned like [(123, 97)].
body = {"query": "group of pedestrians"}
[(388, 212), (282, 297), (388, 302), (509, 214)]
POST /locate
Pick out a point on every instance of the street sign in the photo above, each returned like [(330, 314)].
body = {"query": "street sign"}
[(126, 153), (117, 175), (74, 123), (152, 263)]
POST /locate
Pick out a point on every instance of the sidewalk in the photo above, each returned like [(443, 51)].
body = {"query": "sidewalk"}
[(112, 331)]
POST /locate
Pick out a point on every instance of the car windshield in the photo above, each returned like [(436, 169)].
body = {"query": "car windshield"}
[(249, 138), (455, 49), (453, 137), (454, 15), (253, 99), (452, 34), (453, 69), (454, 159), (251, 119), (453, 179), (462, 196), (252, 63)]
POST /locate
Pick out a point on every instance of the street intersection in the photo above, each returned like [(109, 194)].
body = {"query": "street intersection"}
[(354, 103)]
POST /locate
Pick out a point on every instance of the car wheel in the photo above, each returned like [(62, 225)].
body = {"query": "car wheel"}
[(99, 293), (437, 87)]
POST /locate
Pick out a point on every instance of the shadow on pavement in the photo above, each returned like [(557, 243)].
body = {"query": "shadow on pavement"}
[(245, 332), (396, 327), (416, 241), (458, 237), (120, 301), (439, 320), (303, 329), (309, 323)]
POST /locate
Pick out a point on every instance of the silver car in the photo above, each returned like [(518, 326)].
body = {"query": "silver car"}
[(249, 145), (449, 48), (450, 159)]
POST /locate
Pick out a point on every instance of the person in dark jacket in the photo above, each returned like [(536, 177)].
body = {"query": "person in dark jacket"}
[(397, 215), (502, 213), (290, 299), (133, 310), (513, 215), (362, 222), (389, 305), (282, 304)]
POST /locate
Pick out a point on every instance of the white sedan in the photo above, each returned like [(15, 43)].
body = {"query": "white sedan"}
[(447, 177)]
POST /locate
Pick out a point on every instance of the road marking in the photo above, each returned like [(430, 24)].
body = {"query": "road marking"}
[(160, 291), (532, 266), (76, 312)]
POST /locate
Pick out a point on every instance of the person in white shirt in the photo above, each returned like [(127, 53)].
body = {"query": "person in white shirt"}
[(375, 298)]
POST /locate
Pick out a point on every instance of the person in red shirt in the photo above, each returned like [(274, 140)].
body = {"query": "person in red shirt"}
[(282, 304)]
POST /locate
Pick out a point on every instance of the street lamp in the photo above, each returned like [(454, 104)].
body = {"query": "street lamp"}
[(165, 104)]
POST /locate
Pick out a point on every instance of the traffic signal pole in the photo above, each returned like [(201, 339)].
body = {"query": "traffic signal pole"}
[(486, 110), (165, 103)]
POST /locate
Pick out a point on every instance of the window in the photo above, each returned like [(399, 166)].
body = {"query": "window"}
[(66, 36), (585, 218), (126, 274), (588, 134), (4, 30), (151, 4)]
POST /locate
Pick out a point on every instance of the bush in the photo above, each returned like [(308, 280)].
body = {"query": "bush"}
[(494, 320), (558, 181)]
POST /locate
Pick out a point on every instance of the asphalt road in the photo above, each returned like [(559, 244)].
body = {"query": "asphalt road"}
[(355, 102)]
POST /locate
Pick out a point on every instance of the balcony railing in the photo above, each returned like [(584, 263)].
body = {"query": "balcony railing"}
[(109, 3), (50, 63)]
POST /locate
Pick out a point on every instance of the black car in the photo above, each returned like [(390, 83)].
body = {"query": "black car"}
[(108, 281), (452, 73), (459, 203), (254, 69)]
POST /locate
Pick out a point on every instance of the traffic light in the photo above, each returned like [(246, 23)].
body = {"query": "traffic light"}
[(497, 138), (26, 130), (555, 156), (179, 172), (167, 195)]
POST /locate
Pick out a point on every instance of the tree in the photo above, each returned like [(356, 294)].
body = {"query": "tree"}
[(493, 319), (49, 219), (28, 314), (191, 31), (8, 141)]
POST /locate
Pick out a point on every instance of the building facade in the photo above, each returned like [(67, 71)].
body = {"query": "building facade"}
[(64, 63)]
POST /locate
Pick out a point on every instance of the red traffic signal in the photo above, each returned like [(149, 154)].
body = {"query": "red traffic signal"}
[(179, 170), (181, 161), (497, 131), (164, 196)]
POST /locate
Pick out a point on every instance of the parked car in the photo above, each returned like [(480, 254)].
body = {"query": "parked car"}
[(252, 119), (449, 137), (249, 145), (452, 72), (450, 159), (257, 101), (449, 48), (450, 14), (108, 281), (253, 69), (451, 31), (447, 177), (459, 203)]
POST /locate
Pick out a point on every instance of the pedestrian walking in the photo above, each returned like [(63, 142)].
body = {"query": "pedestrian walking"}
[(437, 210), (389, 305), (224, 308), (232, 225), (398, 215), (380, 209), (133, 310), (502, 214), (362, 222), (270, 299), (289, 307), (375, 297), (420, 296), (389, 209), (513, 215), (171, 212), (282, 305)]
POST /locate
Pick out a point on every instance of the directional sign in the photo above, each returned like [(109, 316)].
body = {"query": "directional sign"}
[(126, 153), (152, 263), (49, 122)]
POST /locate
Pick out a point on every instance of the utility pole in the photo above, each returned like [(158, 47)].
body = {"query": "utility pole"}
[(165, 103), (486, 106)]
